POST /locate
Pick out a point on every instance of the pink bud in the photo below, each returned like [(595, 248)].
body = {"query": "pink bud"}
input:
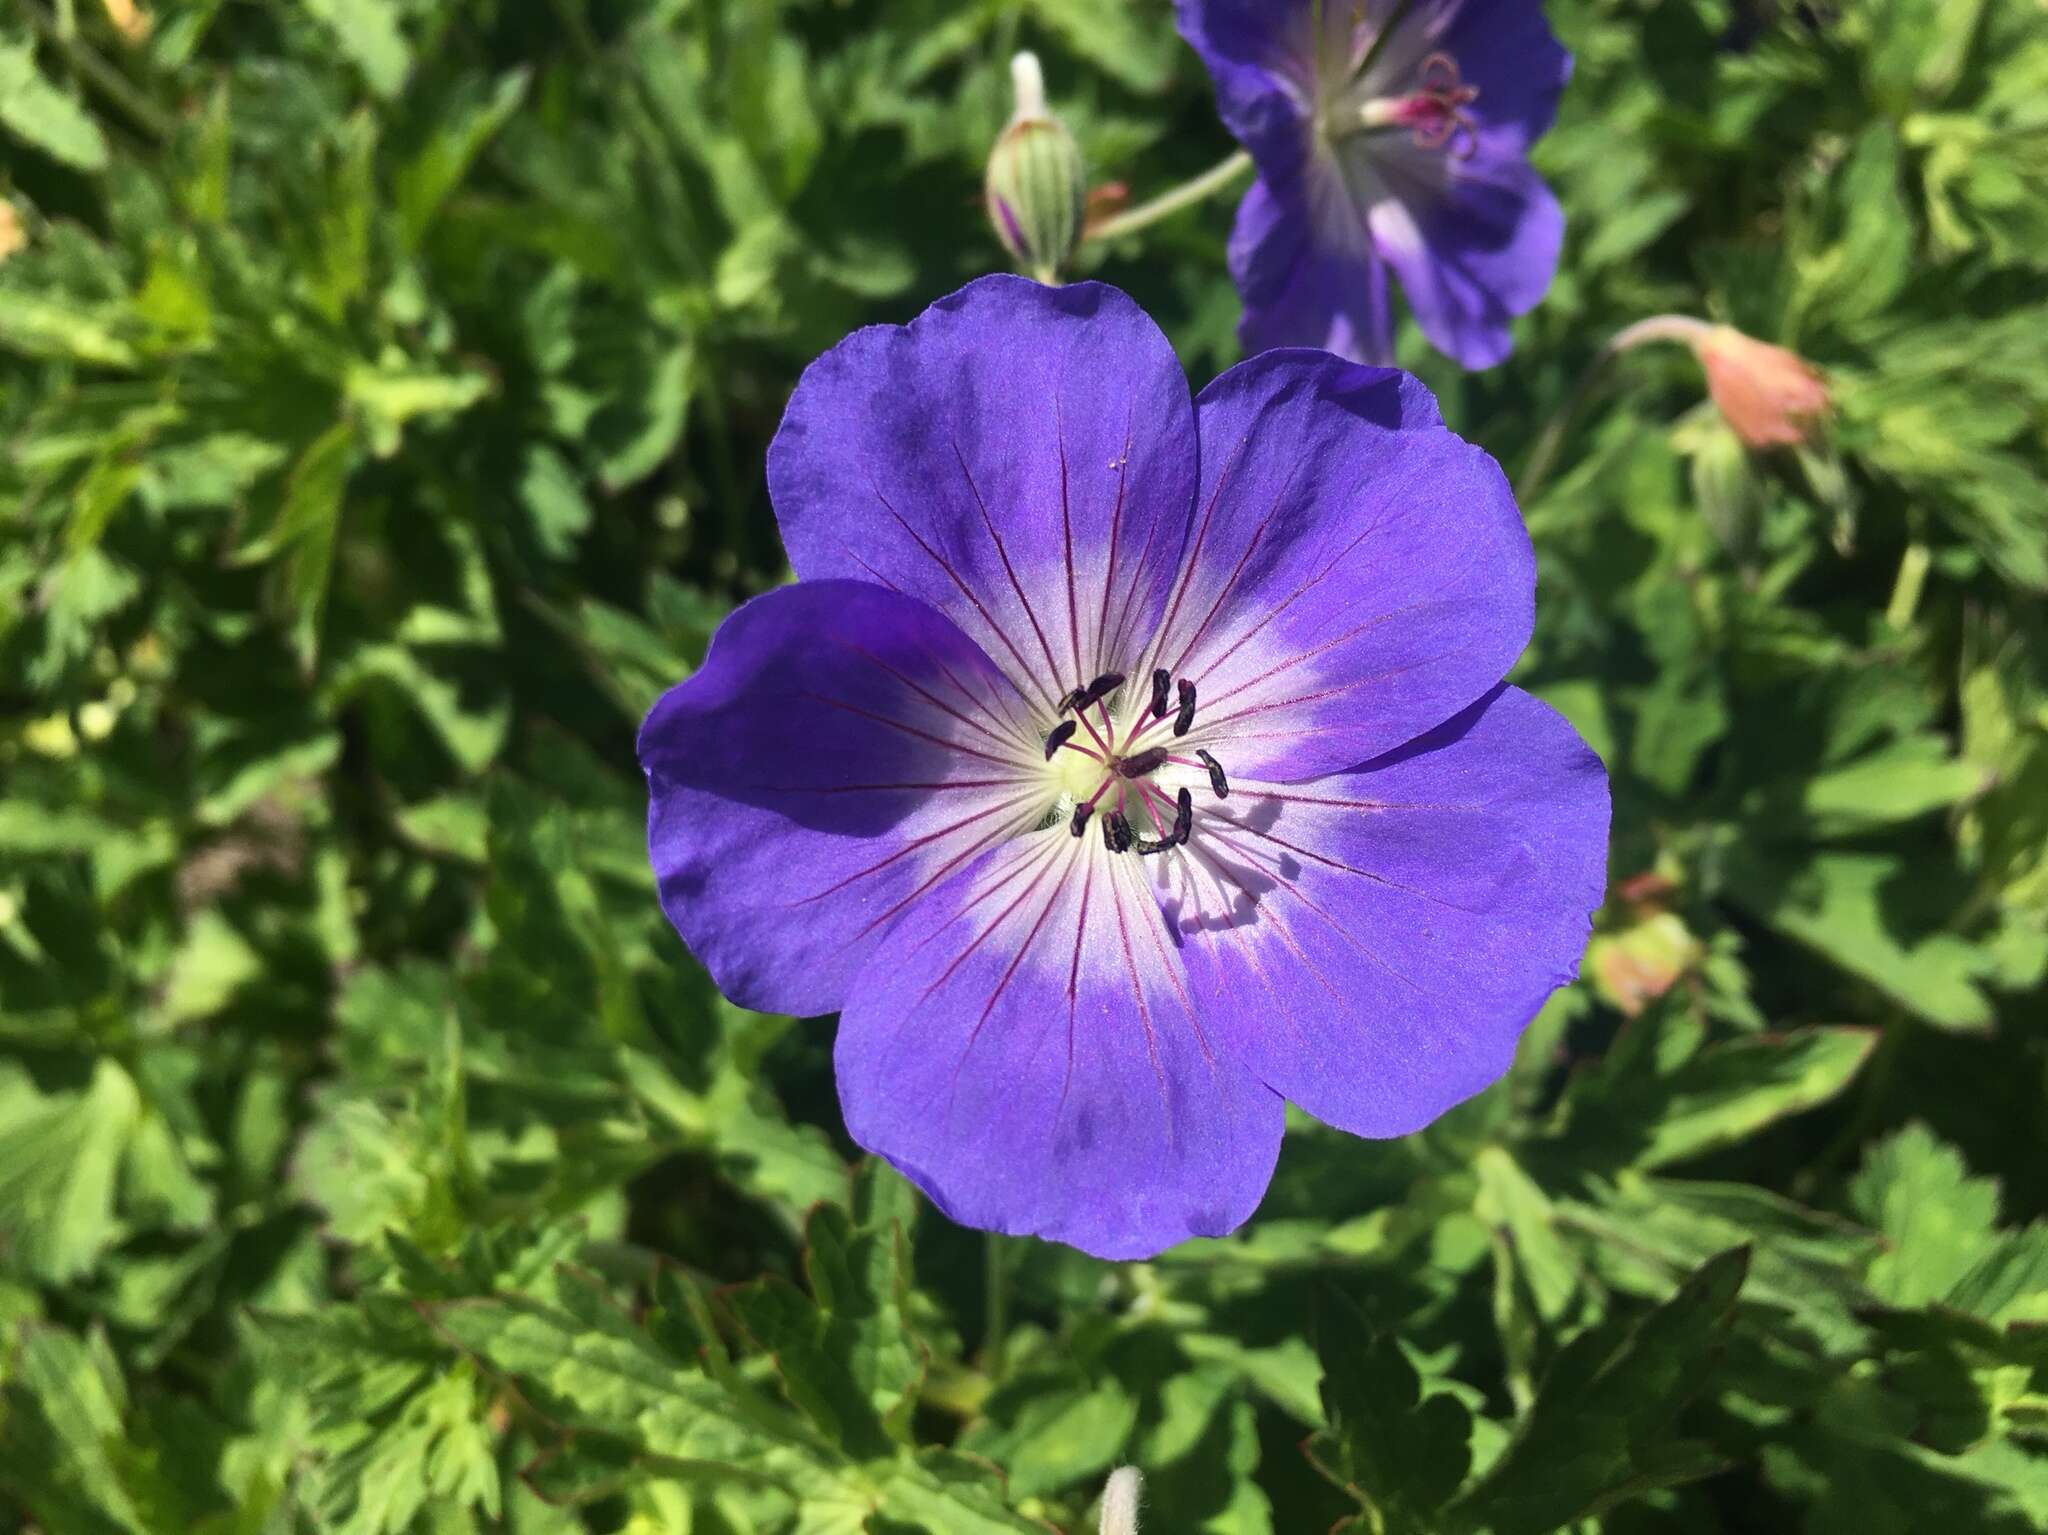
[(1769, 396)]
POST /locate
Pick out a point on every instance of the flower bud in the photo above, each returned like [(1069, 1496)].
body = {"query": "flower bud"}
[(1120, 1502), (1036, 184), (1771, 397), (1726, 484), (1634, 967)]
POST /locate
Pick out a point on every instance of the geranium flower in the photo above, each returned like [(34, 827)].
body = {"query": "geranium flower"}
[(1387, 134), (1122, 766)]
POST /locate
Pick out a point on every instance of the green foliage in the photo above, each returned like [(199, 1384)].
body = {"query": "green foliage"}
[(384, 387)]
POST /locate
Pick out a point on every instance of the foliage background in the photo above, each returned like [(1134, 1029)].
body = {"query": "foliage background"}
[(384, 386)]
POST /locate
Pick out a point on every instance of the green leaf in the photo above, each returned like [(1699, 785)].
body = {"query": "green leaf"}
[(459, 134), (2009, 1283), (1913, 777), (1510, 1201), (553, 496), (308, 522), (36, 112), (1722, 1095), (46, 325), (846, 1353), (1861, 911), (1400, 1453), (1939, 1221), (1600, 1429), (60, 1155), (1050, 1429), (591, 1369), (1111, 38), (64, 1415), (369, 35)]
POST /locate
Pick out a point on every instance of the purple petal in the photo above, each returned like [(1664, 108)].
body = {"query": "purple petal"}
[(1372, 944), (1359, 574), (1025, 1051), (1262, 57), (1020, 457), (842, 748), (1520, 69), (1474, 243), (1309, 279), (1471, 232)]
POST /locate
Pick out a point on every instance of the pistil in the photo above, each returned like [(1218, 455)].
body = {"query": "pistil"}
[(1436, 113), (1125, 766)]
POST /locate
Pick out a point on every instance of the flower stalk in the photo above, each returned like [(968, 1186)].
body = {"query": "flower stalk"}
[(1770, 397), (1216, 178)]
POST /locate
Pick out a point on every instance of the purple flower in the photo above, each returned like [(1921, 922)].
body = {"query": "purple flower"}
[(1387, 133), (1121, 767)]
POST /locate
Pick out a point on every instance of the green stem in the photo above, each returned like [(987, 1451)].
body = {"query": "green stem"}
[(1906, 589), (996, 1279), (1661, 327), (1212, 180)]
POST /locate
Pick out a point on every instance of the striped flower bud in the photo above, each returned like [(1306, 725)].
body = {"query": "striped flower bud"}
[(1036, 184)]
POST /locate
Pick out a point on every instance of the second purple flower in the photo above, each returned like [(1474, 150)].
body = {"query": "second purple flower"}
[(1390, 137)]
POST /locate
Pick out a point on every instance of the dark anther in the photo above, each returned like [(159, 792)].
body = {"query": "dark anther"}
[(1117, 835), (1217, 782), (1081, 813), (1071, 700), (1186, 717), (1138, 764), (1058, 737), (1183, 827), (1160, 683), (1098, 690)]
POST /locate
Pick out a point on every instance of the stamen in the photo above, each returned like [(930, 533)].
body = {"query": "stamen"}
[(1081, 813), (1218, 784), (1186, 717), (1183, 827), (1161, 681), (1099, 689), (1117, 835), (1058, 737), (1138, 764)]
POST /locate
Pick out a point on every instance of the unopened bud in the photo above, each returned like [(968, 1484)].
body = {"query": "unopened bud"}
[(1634, 967), (1120, 1502), (1036, 184), (1725, 483), (1769, 396)]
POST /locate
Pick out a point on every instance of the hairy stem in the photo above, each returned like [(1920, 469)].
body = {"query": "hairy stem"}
[(1212, 180), (1659, 327)]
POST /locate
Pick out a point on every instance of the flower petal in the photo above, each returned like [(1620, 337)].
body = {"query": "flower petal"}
[(1372, 944), (841, 748), (1262, 57), (1508, 53), (1020, 457), (1309, 279), (1358, 573), (1024, 1050), (1474, 242)]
